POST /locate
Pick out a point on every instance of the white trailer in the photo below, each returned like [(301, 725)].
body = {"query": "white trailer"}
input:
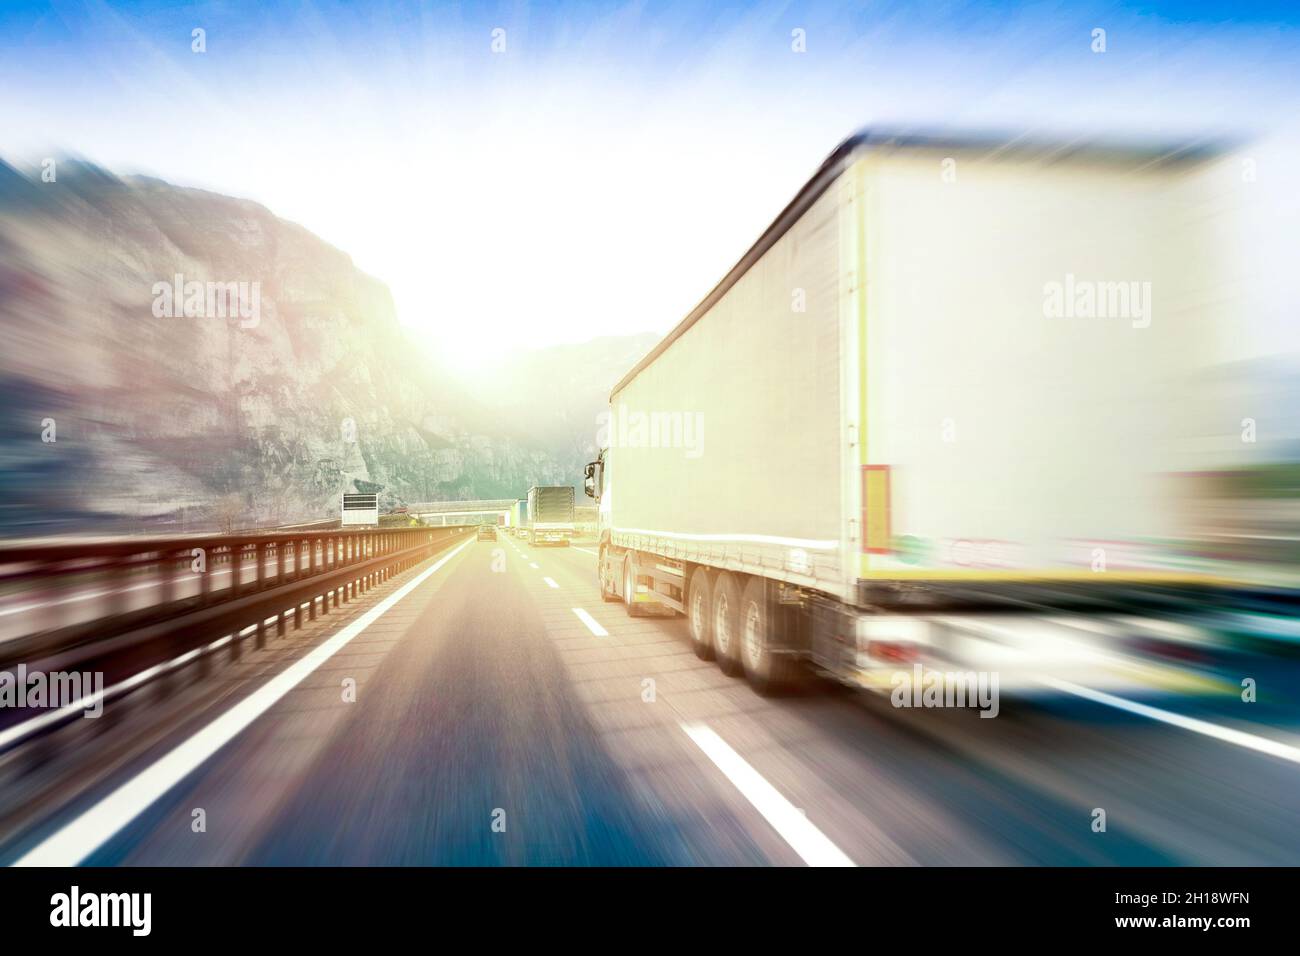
[(951, 371), (550, 514), (359, 510)]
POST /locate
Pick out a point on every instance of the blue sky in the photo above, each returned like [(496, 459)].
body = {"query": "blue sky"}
[(613, 152)]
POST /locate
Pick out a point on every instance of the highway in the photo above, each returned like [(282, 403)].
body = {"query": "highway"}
[(486, 707)]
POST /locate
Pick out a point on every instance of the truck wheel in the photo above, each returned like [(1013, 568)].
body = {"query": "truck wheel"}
[(726, 623), (767, 672), (607, 591), (699, 614), (629, 587)]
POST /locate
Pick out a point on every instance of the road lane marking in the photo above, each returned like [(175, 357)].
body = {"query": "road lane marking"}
[(533, 565), (585, 550), (550, 582), (76, 840), (1274, 748), (789, 821), (592, 624)]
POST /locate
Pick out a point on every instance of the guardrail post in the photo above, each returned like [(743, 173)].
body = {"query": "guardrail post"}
[(117, 573), (236, 567), (167, 569), (50, 612), (205, 575)]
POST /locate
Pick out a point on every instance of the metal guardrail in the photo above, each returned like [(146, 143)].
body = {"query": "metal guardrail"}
[(237, 581)]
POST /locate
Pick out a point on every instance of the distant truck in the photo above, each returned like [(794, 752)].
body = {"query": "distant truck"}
[(919, 392), (519, 516), (550, 514), (359, 510)]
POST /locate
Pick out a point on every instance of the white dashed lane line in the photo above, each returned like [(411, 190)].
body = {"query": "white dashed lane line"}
[(592, 624), (550, 582), (1264, 745), (792, 824)]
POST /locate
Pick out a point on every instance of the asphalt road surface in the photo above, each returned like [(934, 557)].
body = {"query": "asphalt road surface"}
[(488, 708)]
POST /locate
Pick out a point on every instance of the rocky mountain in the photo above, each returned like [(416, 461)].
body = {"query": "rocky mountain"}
[(176, 359)]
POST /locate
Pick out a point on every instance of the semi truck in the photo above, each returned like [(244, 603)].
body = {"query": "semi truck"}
[(519, 517), (948, 382), (550, 514)]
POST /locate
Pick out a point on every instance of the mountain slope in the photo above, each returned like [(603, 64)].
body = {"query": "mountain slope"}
[(212, 419)]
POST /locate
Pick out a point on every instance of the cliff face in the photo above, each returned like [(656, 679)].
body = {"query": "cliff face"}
[(125, 412)]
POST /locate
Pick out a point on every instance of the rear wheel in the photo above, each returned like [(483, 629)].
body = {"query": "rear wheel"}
[(608, 593), (726, 623), (768, 672), (629, 586), (699, 614)]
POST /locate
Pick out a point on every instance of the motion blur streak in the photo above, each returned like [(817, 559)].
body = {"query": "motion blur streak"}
[(942, 475), (1274, 748), (78, 839)]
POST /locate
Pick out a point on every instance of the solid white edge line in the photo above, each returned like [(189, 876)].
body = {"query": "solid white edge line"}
[(81, 837), (550, 582), (592, 624), (813, 846), (1264, 745)]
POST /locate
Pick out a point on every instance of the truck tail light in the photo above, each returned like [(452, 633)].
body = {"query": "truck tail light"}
[(894, 651), (875, 509)]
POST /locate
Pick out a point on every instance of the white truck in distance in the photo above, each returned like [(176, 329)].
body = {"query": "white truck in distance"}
[(550, 514), (949, 378), (359, 511)]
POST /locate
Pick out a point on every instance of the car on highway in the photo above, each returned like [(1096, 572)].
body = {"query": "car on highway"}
[(487, 532)]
